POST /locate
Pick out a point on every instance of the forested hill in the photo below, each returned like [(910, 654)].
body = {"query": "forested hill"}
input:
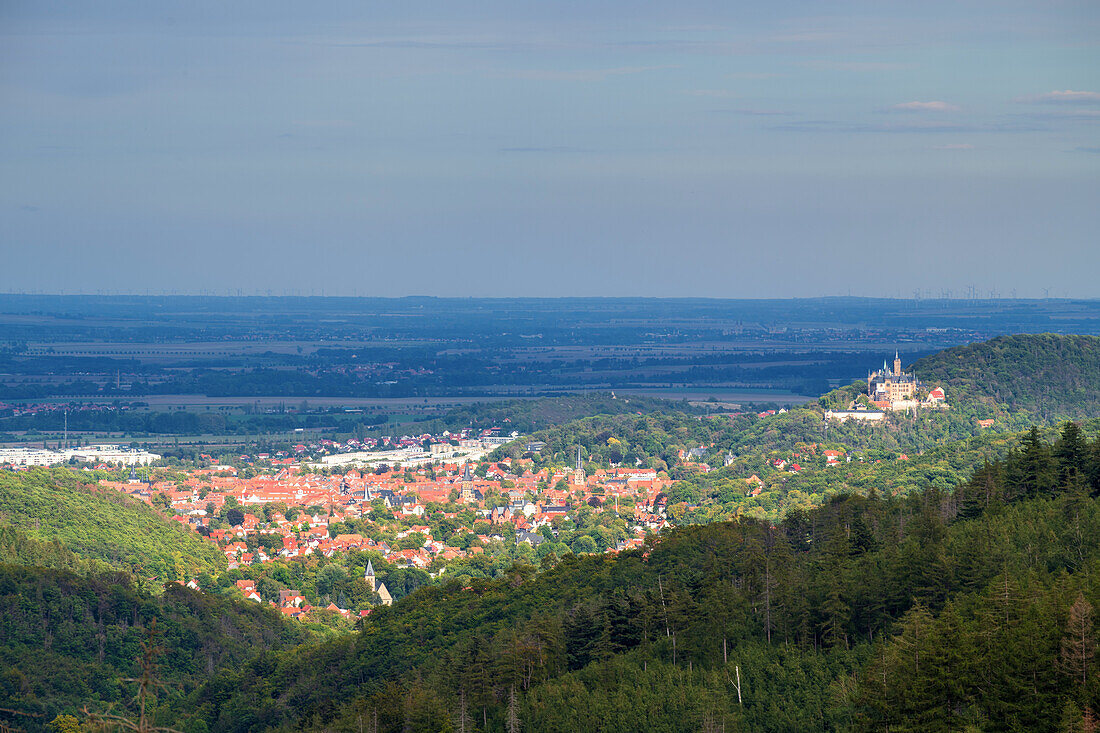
[(102, 524), (934, 612), (1049, 375), (70, 641)]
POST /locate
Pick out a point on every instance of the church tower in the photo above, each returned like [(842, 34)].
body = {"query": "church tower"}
[(578, 472), (376, 587), (467, 493)]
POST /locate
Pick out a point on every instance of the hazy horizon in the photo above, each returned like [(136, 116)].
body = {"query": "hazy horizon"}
[(924, 297)]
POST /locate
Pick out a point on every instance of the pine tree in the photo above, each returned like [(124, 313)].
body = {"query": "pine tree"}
[(1071, 455), (979, 492), (1035, 465), (1094, 468)]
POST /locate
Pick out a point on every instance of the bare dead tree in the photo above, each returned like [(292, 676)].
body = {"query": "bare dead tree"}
[(513, 713), (1078, 643), (463, 723)]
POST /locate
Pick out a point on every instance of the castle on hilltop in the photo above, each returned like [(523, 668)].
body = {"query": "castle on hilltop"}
[(892, 386), (897, 390)]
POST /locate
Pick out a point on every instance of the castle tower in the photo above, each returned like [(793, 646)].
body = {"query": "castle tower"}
[(897, 365)]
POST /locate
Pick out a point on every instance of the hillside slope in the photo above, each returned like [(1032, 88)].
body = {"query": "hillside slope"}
[(103, 524), (1050, 375)]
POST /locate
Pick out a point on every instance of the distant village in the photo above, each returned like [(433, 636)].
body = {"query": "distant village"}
[(296, 510)]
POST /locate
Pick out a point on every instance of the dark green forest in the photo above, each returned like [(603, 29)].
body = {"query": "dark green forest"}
[(70, 641)]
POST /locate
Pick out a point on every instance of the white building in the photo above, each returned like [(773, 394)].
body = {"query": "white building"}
[(112, 454), (29, 457), (860, 415), (92, 454)]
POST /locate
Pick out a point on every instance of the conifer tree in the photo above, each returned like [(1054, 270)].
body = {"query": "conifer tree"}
[(1034, 465), (1071, 455)]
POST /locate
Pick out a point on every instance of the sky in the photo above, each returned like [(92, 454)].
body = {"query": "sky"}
[(509, 148)]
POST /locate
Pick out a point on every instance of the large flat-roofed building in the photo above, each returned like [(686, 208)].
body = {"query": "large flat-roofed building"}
[(93, 454), (112, 454), (858, 415), (29, 457)]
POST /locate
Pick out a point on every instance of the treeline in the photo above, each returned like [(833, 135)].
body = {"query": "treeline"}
[(188, 422), (528, 416), (524, 416), (932, 612)]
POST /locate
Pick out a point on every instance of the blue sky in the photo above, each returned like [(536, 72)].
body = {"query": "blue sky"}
[(551, 148)]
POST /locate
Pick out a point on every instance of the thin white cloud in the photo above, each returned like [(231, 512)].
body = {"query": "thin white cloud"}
[(1072, 114), (752, 112), (581, 74), (934, 106), (761, 112), (868, 66), (807, 37), (911, 126), (716, 93), (323, 124), (751, 75), (1065, 96)]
